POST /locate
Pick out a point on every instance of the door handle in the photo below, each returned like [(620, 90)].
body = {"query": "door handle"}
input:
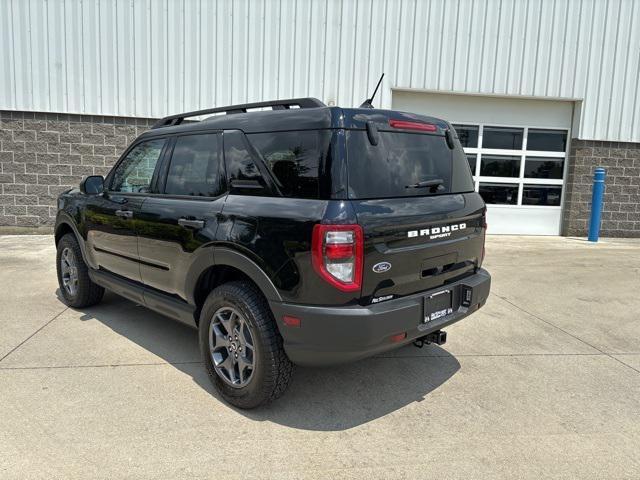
[(124, 213), (187, 222)]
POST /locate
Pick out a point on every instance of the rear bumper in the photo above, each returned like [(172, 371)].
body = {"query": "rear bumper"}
[(332, 335)]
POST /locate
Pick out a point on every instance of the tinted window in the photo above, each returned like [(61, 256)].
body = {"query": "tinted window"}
[(541, 195), (549, 140), (500, 166), (400, 161), (195, 167), (468, 135), (242, 170), (502, 137), (543, 167), (499, 193), (294, 159), (135, 172)]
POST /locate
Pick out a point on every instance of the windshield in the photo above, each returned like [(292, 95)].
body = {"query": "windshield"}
[(404, 165)]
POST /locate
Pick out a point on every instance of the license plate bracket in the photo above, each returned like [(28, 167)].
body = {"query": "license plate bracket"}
[(437, 305)]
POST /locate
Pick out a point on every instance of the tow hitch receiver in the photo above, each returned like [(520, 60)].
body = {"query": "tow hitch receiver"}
[(438, 337)]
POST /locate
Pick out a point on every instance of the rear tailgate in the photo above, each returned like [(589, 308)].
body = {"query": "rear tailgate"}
[(412, 192), (417, 244)]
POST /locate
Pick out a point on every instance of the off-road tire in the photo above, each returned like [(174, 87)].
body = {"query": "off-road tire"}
[(272, 368), (88, 293)]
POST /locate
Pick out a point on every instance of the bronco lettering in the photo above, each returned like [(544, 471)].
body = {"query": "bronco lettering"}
[(436, 232)]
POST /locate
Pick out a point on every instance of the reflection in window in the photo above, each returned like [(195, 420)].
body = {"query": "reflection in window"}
[(541, 195), (472, 158), (195, 166), (134, 173), (499, 193), (395, 166), (548, 140), (502, 137), (500, 166), (537, 167), (468, 135), (241, 165), (295, 159)]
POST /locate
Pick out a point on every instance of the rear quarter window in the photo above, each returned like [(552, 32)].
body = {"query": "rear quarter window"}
[(401, 160), (294, 159)]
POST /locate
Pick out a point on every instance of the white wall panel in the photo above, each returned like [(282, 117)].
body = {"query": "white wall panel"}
[(157, 57)]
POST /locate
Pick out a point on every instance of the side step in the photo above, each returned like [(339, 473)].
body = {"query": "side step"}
[(438, 337)]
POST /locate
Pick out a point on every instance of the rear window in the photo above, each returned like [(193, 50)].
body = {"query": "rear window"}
[(397, 165)]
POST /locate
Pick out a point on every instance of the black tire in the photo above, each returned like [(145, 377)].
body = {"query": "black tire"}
[(85, 293), (271, 372)]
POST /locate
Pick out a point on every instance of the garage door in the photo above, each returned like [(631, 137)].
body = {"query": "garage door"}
[(516, 150)]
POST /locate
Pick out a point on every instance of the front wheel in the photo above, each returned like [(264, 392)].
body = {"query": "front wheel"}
[(76, 287), (241, 346)]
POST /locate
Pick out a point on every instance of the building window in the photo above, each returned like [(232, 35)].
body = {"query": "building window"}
[(515, 165), (503, 138), (499, 193), (468, 135), (547, 140), (500, 166)]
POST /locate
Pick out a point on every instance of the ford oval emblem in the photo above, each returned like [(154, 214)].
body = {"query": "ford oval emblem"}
[(382, 267)]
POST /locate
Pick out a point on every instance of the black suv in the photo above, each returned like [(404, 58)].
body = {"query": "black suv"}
[(295, 234)]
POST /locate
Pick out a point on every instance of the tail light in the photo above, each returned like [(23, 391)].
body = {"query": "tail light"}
[(337, 255), (484, 236)]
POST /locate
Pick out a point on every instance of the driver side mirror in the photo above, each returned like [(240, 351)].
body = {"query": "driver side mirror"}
[(92, 185)]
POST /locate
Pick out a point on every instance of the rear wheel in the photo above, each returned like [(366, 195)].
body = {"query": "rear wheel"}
[(241, 346), (76, 287)]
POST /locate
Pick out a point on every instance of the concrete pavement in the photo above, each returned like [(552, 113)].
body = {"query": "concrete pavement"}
[(543, 382)]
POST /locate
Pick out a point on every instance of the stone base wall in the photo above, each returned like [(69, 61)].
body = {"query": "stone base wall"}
[(621, 209), (43, 154)]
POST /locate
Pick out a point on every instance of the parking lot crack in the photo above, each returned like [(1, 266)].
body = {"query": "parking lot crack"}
[(626, 364), (32, 335), (102, 365), (502, 297)]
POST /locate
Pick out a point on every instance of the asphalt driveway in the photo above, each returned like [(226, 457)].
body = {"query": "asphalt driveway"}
[(543, 382)]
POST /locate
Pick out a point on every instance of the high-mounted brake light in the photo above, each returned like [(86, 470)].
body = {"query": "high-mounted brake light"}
[(337, 255), (403, 124)]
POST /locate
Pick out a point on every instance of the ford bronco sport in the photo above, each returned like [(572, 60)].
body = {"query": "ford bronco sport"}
[(296, 234)]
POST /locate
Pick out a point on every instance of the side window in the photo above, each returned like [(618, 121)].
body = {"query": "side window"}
[(294, 159), (241, 166), (195, 167), (134, 173)]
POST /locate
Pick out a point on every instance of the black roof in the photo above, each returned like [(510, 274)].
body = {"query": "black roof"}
[(311, 115)]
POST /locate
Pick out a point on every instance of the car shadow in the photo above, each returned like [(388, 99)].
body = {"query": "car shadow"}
[(322, 399)]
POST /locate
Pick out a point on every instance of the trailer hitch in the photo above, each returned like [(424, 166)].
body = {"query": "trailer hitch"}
[(438, 337)]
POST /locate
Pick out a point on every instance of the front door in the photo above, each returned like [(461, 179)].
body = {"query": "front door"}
[(181, 218), (111, 217)]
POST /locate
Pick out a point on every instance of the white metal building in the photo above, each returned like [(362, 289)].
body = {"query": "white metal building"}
[(519, 74)]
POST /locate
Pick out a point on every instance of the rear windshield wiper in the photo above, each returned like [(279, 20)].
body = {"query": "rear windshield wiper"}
[(436, 183)]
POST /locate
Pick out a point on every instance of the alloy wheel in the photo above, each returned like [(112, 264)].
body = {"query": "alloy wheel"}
[(69, 271), (231, 347)]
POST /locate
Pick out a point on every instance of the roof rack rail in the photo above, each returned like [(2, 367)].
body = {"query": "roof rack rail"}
[(308, 102)]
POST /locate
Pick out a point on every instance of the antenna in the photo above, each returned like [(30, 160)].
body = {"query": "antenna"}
[(368, 102)]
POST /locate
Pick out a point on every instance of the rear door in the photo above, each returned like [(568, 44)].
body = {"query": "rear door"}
[(414, 198), (182, 216)]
